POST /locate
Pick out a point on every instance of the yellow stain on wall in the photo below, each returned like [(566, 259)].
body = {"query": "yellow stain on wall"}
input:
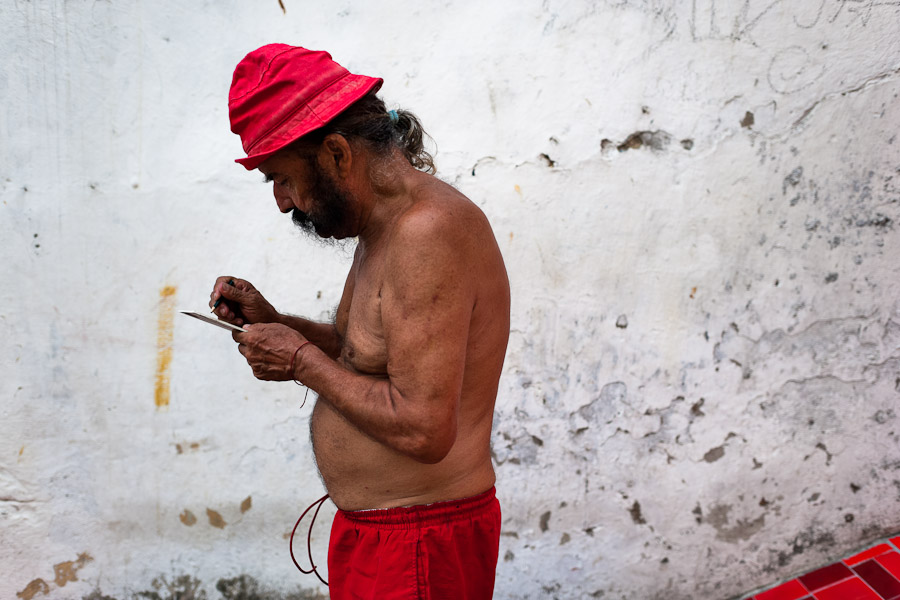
[(215, 519), (165, 329), (36, 587), (68, 571)]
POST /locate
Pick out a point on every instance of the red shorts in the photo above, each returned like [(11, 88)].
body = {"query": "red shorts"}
[(446, 550)]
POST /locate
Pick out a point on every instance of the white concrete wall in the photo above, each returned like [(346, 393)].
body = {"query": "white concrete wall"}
[(698, 202)]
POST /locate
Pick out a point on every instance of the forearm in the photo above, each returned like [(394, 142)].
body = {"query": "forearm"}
[(322, 335), (420, 428)]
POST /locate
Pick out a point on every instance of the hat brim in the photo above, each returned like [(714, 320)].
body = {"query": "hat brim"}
[(310, 117)]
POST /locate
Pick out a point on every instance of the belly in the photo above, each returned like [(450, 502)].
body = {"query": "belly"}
[(360, 473)]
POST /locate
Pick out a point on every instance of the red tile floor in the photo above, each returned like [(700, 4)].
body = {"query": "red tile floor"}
[(873, 574)]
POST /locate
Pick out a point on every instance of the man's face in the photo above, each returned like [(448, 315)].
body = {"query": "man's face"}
[(315, 200)]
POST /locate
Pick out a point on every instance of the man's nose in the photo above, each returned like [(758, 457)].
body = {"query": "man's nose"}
[(282, 198)]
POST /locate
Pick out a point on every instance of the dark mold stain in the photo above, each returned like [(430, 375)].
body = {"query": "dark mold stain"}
[(184, 587), (748, 120), (97, 595), (622, 322), (546, 158), (695, 408), (687, 144), (828, 455), (803, 542), (792, 180), (883, 416), (831, 278), (742, 530), (714, 454), (509, 556), (636, 514), (245, 587), (545, 520)]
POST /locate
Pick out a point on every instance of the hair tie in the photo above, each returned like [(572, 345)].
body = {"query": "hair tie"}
[(393, 116)]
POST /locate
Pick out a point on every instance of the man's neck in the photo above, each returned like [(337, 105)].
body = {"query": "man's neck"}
[(389, 194)]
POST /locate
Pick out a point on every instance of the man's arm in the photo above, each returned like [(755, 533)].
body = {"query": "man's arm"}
[(324, 335), (426, 307)]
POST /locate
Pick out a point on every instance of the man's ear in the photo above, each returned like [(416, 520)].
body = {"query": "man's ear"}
[(335, 153)]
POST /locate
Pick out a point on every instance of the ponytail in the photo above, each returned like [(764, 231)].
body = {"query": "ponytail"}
[(369, 121)]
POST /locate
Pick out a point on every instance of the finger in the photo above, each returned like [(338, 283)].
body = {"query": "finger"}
[(229, 289), (217, 285)]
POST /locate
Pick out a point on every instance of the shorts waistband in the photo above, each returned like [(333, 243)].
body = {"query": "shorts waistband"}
[(423, 515)]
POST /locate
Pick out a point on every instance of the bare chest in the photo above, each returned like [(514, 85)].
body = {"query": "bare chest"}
[(359, 320)]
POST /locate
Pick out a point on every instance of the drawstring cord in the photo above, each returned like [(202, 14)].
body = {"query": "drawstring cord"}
[(318, 504)]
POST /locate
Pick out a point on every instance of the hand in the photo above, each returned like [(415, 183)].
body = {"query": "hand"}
[(241, 303), (269, 349)]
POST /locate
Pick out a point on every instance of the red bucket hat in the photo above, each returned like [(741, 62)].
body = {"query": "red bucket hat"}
[(280, 93)]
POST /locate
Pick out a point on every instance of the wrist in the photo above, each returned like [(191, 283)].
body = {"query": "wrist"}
[(295, 362)]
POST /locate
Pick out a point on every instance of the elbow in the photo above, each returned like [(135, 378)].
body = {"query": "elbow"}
[(432, 448)]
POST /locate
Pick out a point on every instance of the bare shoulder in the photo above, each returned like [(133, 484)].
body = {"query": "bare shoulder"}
[(441, 215)]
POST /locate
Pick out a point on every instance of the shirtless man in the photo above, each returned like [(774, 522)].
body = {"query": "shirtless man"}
[(407, 374)]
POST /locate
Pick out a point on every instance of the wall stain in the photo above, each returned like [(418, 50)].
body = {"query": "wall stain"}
[(215, 519), (742, 530), (714, 454), (655, 140), (164, 335), (187, 517), (246, 504), (245, 587), (183, 587), (180, 448), (37, 586), (68, 571), (545, 520), (636, 514)]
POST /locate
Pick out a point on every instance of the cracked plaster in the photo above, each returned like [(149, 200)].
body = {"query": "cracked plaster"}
[(698, 203)]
